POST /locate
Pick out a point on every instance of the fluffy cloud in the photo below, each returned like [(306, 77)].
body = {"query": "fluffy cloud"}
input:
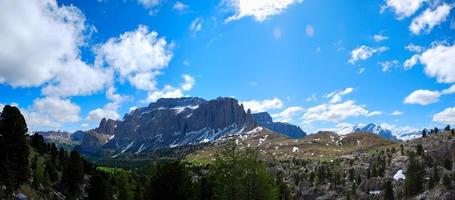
[(387, 65), (188, 82), (261, 106), (287, 114), (396, 113), (137, 56), (335, 112), (149, 3), (179, 6), (259, 9), (439, 62), (409, 63), (172, 92), (379, 37), (1, 107), (422, 97), (196, 25), (110, 109), (51, 112), (364, 52), (414, 48), (336, 96), (450, 90), (32, 55), (78, 79), (429, 18), (446, 116), (403, 8)]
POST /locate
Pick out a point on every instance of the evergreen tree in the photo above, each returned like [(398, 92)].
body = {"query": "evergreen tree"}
[(388, 190), (37, 142), (434, 179), (100, 188), (424, 132), (447, 128), (413, 181), (447, 164), (168, 181), (419, 150), (73, 173), (13, 148)]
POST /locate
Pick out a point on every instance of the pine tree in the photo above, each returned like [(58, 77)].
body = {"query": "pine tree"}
[(100, 188), (419, 150), (413, 181), (388, 190), (73, 173), (447, 128), (447, 164), (446, 181), (13, 148), (424, 132)]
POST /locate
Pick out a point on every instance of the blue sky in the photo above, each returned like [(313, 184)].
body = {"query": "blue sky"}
[(319, 65)]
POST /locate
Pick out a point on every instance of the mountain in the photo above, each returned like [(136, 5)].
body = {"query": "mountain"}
[(93, 140), (60, 138), (369, 128), (171, 122), (265, 120)]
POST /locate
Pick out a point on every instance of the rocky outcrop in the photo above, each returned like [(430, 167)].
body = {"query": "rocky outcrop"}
[(265, 120), (92, 142), (107, 126), (178, 121)]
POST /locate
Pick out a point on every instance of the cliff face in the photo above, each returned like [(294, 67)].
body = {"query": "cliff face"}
[(178, 121)]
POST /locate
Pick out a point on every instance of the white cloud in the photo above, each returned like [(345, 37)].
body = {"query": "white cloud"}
[(336, 96), (409, 63), (261, 106), (387, 65), (429, 18), (309, 30), (137, 56), (51, 112), (396, 113), (364, 52), (40, 43), (335, 112), (196, 25), (361, 70), (1, 107), (403, 8), (414, 48), (379, 37), (149, 3), (422, 97), (439, 62), (179, 6), (172, 92), (259, 9), (312, 98), (374, 113), (287, 114), (446, 116), (167, 92), (450, 90), (110, 110), (188, 82), (78, 79)]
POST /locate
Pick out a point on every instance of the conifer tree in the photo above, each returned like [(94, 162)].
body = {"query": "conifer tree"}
[(13, 148), (388, 190), (413, 181)]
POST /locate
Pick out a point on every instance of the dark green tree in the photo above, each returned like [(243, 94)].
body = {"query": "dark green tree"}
[(446, 181), (14, 160), (388, 190), (413, 181), (419, 150), (73, 173), (169, 180), (100, 188), (447, 128), (448, 164)]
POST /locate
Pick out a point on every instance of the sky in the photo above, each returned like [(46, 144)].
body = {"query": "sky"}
[(317, 64)]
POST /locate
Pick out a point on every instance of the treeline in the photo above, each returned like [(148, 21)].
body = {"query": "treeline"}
[(235, 175)]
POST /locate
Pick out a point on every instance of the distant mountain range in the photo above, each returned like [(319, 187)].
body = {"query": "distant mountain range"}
[(368, 128), (175, 122), (265, 120)]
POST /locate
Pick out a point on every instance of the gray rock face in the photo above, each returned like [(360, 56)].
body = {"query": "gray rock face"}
[(178, 121), (107, 126), (92, 142), (265, 120)]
